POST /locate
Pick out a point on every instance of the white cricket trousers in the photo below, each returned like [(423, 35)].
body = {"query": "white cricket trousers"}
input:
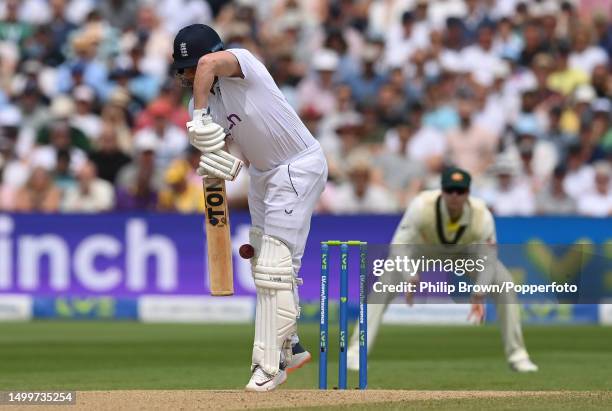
[(281, 200)]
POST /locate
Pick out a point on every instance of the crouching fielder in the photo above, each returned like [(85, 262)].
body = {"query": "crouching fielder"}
[(453, 217), (235, 99)]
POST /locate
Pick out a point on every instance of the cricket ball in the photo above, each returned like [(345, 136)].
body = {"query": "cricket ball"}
[(246, 251)]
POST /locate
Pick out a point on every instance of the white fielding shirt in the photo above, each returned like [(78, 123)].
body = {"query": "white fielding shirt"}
[(256, 115)]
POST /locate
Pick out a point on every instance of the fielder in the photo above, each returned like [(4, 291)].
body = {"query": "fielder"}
[(236, 100), (451, 216)]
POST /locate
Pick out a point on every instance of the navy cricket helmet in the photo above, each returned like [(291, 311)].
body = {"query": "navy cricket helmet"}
[(192, 42)]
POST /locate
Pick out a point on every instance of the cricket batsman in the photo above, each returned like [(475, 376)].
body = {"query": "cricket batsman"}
[(445, 217), (235, 100)]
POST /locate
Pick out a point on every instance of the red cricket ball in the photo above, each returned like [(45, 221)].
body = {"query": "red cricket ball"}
[(246, 251)]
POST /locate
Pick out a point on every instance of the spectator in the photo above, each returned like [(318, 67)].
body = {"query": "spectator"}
[(580, 111), (172, 141), (145, 72), (59, 26), (422, 26), (445, 11), (35, 11), (477, 17), (494, 114), (580, 175), (538, 155), (533, 44), (402, 41), (156, 42), (589, 141), (119, 13), (286, 74), (91, 194), (373, 128), (41, 47), (510, 196), (600, 124), (416, 142), (542, 67), (411, 87), (553, 200), (383, 14), (585, 55), (122, 78), (84, 117), (62, 114), (106, 36), (12, 28), (14, 173), (507, 43), (312, 119), (471, 147), (34, 116), (84, 68), (441, 111), (564, 78), (180, 13), (173, 95), (481, 58), (545, 14), (556, 135), (286, 29), (366, 84), (108, 158), (530, 109), (568, 19), (77, 10), (599, 81), (16, 165), (181, 194), (316, 89), (598, 201), (348, 64), (116, 114), (603, 30), (360, 194), (39, 194), (341, 141), (401, 176), (59, 139), (139, 181), (389, 107), (63, 175)]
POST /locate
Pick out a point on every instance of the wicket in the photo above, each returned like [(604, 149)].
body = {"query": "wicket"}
[(363, 314)]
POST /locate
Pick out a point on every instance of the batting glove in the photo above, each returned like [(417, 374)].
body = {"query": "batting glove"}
[(220, 164), (204, 134)]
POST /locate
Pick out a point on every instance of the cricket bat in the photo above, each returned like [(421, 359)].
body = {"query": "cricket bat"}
[(220, 271)]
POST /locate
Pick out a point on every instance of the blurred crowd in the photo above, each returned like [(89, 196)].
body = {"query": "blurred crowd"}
[(516, 92)]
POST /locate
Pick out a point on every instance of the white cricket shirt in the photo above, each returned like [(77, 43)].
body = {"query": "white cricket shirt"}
[(256, 116)]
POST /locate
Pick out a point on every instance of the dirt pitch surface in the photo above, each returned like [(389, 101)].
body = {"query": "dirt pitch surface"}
[(240, 400)]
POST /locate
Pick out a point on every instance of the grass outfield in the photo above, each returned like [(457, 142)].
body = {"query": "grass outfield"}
[(115, 355), (100, 356)]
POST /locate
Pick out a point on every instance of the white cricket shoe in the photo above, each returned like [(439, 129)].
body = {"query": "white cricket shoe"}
[(352, 358), (261, 381), (523, 365), (299, 358)]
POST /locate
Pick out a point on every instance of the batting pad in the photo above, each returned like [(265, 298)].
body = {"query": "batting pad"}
[(276, 311)]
